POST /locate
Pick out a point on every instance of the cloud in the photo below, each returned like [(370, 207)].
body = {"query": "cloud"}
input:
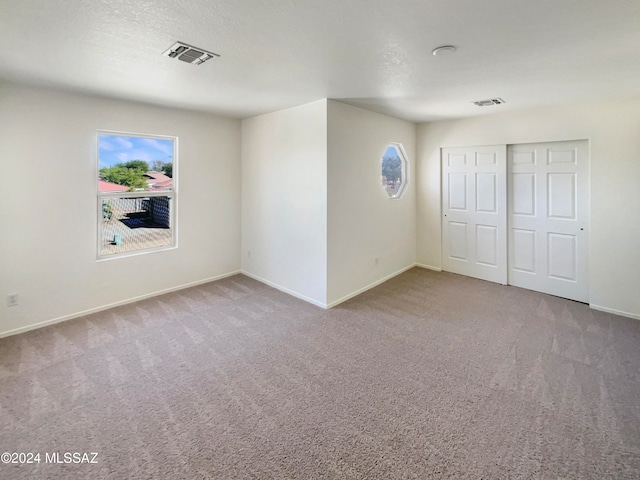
[(109, 143), (139, 154), (120, 149), (122, 143), (104, 143), (164, 146)]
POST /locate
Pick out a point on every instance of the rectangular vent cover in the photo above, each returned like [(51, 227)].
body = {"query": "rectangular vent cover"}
[(490, 101), (189, 54)]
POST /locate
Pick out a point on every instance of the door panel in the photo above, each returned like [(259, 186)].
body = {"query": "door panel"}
[(524, 198), (524, 250), (457, 159), (558, 155), (486, 158), (562, 195), (486, 192), (474, 233), (523, 157), (458, 241), (548, 218), (458, 191), (487, 244), (562, 256)]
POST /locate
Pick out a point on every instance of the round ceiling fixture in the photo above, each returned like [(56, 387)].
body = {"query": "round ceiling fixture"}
[(444, 50)]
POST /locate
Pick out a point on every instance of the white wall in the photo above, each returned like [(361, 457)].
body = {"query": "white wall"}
[(613, 130), (313, 213), (48, 204), (284, 200), (363, 223)]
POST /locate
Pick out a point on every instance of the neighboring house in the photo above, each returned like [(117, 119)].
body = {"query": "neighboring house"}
[(111, 187), (158, 181)]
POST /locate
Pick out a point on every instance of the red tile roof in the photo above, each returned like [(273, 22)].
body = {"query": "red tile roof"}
[(111, 187), (155, 177), (158, 181), (163, 185)]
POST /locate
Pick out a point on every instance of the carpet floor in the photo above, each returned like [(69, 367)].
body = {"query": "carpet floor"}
[(429, 375)]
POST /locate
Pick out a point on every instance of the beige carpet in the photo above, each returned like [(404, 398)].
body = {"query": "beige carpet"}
[(430, 375)]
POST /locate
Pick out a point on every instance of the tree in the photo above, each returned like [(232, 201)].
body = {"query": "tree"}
[(129, 174), (130, 177), (392, 168), (137, 164), (157, 166), (167, 169), (164, 167)]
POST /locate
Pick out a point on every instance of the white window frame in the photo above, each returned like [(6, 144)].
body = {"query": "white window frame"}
[(172, 194), (404, 169)]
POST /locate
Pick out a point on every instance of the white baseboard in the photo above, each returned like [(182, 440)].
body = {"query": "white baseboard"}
[(285, 290), (635, 316), (64, 318), (428, 267), (332, 304), (370, 286), (219, 277)]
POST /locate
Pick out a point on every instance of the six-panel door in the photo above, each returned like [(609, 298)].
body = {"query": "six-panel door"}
[(474, 212), (548, 218)]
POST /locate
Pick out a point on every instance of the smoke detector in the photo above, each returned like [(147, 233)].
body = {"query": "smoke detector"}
[(488, 102), (189, 54), (444, 50)]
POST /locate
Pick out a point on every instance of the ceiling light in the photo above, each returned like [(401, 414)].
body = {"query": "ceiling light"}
[(189, 54), (444, 50), (489, 101)]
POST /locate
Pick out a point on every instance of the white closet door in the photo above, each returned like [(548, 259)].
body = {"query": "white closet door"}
[(548, 218), (474, 222)]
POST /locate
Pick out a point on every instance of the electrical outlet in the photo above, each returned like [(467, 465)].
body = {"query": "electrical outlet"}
[(12, 300), (376, 260), (249, 253)]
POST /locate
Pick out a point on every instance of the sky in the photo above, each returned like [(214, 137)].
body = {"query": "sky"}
[(114, 149), (391, 151)]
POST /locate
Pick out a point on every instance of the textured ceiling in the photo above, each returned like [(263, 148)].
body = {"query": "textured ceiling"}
[(372, 53)]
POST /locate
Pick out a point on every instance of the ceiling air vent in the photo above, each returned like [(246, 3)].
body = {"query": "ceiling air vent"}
[(189, 54), (490, 101)]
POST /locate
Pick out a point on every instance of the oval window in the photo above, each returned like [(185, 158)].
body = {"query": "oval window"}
[(394, 170)]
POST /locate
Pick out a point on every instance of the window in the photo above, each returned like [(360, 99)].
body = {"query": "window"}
[(394, 170), (136, 193)]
